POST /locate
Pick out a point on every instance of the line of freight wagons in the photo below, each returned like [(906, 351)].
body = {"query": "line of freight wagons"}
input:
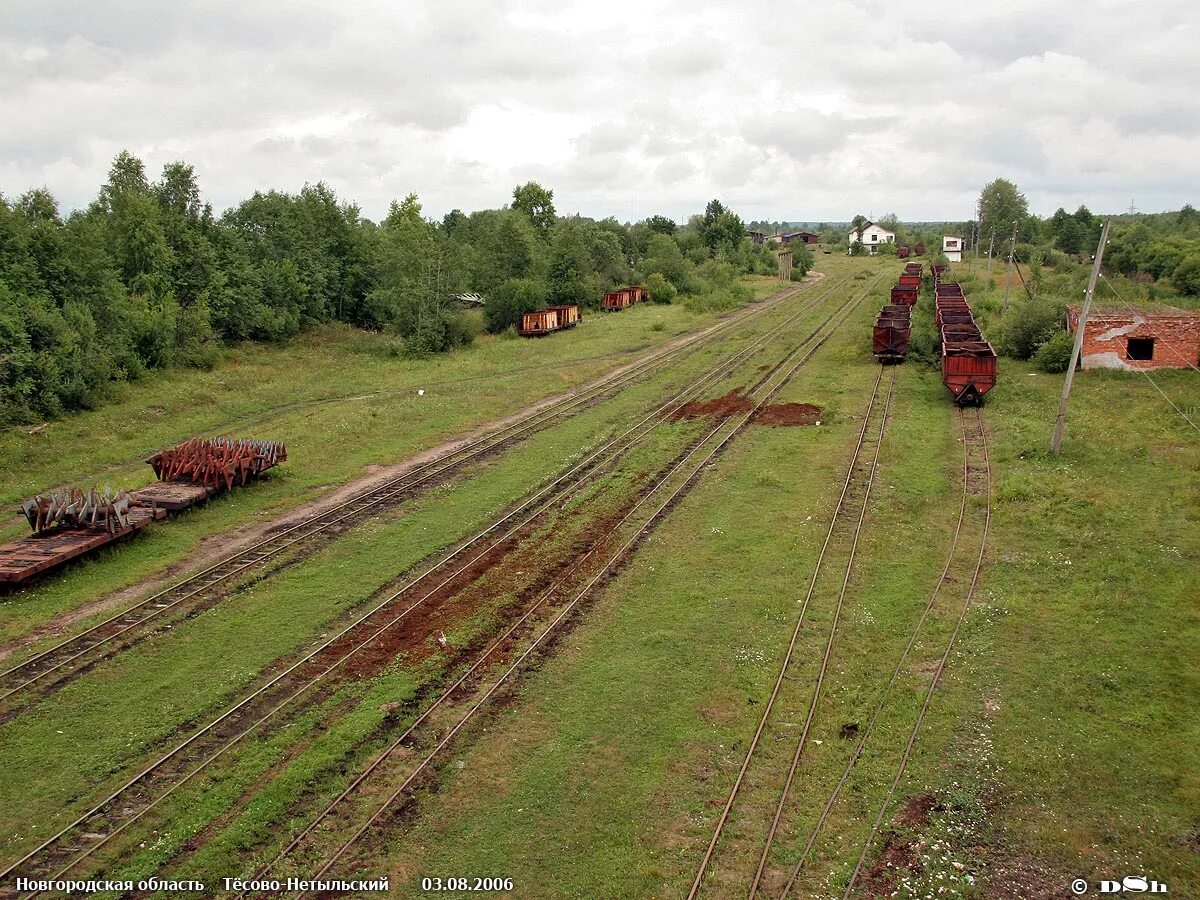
[(968, 361), (557, 318)]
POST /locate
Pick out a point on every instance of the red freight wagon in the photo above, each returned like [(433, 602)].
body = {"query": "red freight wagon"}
[(889, 338), (911, 278), (919, 249), (913, 268), (902, 252), (968, 369), (904, 293)]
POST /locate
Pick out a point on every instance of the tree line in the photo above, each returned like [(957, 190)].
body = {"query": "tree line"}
[(148, 276)]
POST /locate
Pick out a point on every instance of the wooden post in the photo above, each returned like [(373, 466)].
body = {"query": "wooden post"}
[(1012, 251), (1077, 347), (785, 265)]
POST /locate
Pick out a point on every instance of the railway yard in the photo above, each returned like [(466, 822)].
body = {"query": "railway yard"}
[(685, 606)]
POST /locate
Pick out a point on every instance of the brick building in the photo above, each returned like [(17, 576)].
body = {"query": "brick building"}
[(1165, 338)]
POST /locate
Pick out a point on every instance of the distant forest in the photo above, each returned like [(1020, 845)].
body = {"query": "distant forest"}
[(147, 276)]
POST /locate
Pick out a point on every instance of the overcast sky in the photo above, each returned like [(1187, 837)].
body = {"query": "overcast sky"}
[(811, 111)]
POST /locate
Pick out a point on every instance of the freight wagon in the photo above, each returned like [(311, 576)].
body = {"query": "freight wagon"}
[(968, 369), (618, 300), (889, 337), (904, 293), (544, 321), (968, 361)]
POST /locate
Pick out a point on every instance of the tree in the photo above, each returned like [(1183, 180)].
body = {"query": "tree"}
[(1000, 204), (1186, 276), (661, 225), (537, 203), (1070, 236), (720, 227), (893, 224)]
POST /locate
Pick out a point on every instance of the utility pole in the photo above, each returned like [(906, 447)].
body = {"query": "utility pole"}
[(991, 244), (1012, 251), (1077, 347)]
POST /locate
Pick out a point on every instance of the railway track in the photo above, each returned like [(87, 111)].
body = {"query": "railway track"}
[(57, 665), (842, 537), (977, 483), (666, 492), (87, 834)]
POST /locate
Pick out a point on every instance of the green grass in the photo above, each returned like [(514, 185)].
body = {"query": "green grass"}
[(1063, 740), (337, 396), (139, 700)]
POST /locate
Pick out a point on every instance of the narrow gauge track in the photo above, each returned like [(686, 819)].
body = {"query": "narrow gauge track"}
[(55, 666), (977, 480), (845, 529), (716, 440), (111, 816)]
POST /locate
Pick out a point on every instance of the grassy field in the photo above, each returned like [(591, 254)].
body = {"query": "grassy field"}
[(1061, 743), (338, 397)]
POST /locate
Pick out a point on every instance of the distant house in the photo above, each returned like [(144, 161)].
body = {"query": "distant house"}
[(952, 247), (872, 237), (757, 236), (1131, 339), (799, 237)]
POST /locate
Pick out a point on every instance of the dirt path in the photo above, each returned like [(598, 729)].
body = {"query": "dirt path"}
[(218, 546)]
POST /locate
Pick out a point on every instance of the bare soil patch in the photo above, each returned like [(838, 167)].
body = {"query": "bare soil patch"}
[(789, 415), (735, 403)]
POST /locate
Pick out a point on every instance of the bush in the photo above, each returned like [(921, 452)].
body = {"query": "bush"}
[(1186, 276), (1029, 325), (515, 296), (661, 290), (1055, 354)]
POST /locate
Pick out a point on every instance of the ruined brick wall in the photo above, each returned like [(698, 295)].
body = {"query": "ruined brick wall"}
[(1105, 340)]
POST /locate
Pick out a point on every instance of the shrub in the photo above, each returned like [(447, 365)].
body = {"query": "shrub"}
[(1055, 354), (517, 295), (1029, 325), (1186, 276), (661, 290)]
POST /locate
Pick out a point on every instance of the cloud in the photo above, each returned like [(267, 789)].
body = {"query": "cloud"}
[(624, 108)]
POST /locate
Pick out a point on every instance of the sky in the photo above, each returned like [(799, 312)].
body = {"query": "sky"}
[(794, 112)]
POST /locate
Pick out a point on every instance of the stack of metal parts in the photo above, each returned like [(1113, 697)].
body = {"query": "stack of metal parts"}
[(89, 509), (218, 463)]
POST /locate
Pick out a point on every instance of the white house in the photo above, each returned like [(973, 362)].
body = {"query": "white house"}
[(872, 237), (952, 247)]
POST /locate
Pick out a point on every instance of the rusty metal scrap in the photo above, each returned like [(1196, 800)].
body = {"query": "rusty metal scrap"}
[(219, 463), (91, 509)]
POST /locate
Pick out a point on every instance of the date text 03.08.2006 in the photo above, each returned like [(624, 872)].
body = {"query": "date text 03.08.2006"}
[(466, 884)]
